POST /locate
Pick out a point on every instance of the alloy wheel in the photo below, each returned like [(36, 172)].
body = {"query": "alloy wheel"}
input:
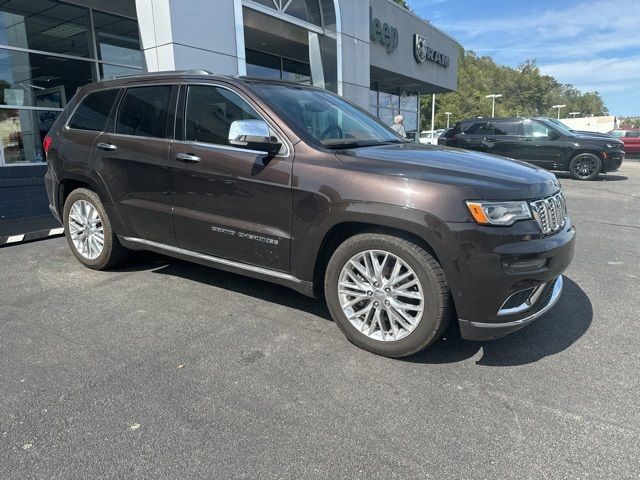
[(381, 295), (585, 167), (86, 230)]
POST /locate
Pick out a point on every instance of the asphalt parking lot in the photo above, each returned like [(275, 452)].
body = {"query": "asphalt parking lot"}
[(165, 369)]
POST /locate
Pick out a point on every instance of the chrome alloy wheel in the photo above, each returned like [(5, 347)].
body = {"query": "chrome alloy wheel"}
[(381, 295), (85, 228)]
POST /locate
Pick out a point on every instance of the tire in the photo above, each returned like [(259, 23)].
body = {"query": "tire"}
[(77, 214), (429, 322), (585, 166)]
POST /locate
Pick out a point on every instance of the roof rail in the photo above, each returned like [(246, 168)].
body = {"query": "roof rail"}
[(192, 71)]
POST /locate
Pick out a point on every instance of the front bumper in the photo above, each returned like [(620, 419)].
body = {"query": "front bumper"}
[(493, 266), (612, 160), (488, 331)]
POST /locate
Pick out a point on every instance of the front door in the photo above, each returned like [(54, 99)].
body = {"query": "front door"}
[(229, 202), (133, 162), (542, 145)]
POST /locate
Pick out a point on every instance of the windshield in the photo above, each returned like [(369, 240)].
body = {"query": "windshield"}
[(559, 126), (323, 118)]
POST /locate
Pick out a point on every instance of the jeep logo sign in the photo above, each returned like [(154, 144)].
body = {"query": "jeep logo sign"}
[(382, 32), (422, 52)]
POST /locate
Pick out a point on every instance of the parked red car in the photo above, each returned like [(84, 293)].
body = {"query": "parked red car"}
[(631, 139)]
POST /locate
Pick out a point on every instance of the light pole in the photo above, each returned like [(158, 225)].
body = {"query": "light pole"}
[(433, 112), (558, 107), (493, 96), (448, 114), (574, 114)]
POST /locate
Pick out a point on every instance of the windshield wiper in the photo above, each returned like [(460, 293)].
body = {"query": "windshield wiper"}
[(362, 143)]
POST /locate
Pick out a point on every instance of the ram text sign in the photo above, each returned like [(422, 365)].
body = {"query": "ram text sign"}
[(422, 52)]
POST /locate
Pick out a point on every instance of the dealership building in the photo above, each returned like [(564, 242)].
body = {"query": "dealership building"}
[(373, 52)]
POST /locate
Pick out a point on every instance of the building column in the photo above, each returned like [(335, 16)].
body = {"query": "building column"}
[(354, 42), (198, 34)]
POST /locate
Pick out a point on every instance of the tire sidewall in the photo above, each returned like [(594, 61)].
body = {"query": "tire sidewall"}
[(432, 316), (90, 197), (575, 159)]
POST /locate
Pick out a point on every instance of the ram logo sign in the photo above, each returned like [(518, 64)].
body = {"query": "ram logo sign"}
[(422, 52)]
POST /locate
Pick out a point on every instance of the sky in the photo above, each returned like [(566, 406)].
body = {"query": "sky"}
[(592, 44)]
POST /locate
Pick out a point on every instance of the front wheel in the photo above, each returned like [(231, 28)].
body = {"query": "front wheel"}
[(388, 295), (585, 166)]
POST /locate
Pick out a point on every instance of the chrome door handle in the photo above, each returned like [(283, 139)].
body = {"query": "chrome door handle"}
[(528, 139), (110, 147), (187, 157)]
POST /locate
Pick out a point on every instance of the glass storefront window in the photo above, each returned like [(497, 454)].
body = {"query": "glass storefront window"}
[(295, 71), (265, 65), (409, 101), (34, 80), (46, 25), (306, 10), (117, 39), (410, 121), (389, 100), (21, 135)]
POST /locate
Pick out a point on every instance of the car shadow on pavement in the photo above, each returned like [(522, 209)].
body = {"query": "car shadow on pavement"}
[(552, 333), (600, 178), (263, 290)]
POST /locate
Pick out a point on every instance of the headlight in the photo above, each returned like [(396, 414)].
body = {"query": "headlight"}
[(614, 145), (499, 213)]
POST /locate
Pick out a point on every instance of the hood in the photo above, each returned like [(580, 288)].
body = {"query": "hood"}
[(490, 176)]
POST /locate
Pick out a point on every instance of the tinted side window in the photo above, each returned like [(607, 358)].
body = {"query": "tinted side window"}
[(535, 129), (473, 128), (210, 112), (93, 112), (509, 127), (633, 134), (144, 111)]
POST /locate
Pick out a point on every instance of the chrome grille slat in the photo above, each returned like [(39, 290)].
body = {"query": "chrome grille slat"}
[(550, 213)]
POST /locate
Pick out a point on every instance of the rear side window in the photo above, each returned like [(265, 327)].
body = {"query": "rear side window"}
[(93, 111), (144, 111), (633, 134), (509, 127)]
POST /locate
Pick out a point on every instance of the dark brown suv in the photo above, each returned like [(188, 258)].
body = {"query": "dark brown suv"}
[(295, 185)]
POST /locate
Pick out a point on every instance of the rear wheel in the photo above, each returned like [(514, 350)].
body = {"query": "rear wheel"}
[(88, 231), (585, 166), (387, 294)]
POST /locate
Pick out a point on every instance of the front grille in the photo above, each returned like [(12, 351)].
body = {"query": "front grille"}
[(550, 213)]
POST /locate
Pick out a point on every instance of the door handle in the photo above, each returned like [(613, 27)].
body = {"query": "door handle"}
[(528, 139), (109, 147), (187, 157), (490, 139)]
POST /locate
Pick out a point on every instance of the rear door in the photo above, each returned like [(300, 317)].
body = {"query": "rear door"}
[(229, 202), (470, 135), (503, 137), (132, 161)]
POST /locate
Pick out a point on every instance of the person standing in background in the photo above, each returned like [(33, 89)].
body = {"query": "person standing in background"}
[(398, 126)]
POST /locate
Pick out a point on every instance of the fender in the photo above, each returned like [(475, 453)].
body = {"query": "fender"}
[(310, 237), (96, 183)]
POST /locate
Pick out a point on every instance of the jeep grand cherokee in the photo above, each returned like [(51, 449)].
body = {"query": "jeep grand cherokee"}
[(294, 185)]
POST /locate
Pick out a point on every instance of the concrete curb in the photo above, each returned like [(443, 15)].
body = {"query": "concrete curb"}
[(27, 237)]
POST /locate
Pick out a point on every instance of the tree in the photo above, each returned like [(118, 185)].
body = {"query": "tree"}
[(525, 92), (403, 3)]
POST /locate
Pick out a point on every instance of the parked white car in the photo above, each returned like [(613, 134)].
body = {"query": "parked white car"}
[(430, 136)]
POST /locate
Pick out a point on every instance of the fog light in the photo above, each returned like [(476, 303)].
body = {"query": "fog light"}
[(526, 266)]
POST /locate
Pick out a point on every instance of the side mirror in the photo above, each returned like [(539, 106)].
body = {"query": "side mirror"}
[(253, 135), (553, 135)]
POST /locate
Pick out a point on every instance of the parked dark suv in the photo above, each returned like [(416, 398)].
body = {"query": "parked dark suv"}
[(541, 142), (295, 185)]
